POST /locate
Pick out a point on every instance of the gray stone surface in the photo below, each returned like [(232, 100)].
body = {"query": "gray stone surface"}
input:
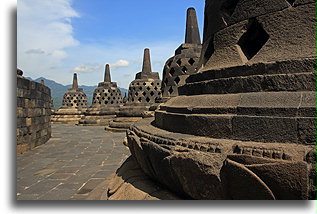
[(70, 165), (33, 114)]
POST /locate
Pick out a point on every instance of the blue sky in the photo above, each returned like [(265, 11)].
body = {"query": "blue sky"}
[(59, 37)]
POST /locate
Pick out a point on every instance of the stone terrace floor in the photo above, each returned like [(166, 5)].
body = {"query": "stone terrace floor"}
[(70, 165)]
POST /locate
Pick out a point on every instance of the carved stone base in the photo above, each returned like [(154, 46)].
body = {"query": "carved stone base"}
[(210, 168), (130, 183), (67, 116), (121, 124)]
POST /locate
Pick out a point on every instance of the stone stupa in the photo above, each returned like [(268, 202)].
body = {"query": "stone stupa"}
[(73, 106), (186, 59), (105, 103), (143, 93), (244, 126)]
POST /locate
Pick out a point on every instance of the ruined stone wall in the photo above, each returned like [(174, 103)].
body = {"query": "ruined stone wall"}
[(33, 114)]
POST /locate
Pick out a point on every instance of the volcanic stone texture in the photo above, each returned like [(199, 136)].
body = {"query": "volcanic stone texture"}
[(33, 114), (252, 31), (244, 125), (130, 183), (211, 168)]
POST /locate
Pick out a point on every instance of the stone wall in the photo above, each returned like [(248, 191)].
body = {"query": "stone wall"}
[(33, 114)]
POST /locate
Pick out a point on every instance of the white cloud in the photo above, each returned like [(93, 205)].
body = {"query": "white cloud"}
[(94, 67), (44, 31), (88, 68), (35, 51), (119, 63)]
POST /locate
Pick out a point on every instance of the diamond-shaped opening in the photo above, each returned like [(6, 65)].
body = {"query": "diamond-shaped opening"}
[(106, 102), (152, 93), (136, 93), (179, 62), (140, 99), (140, 88), (155, 88), (253, 39), (184, 69), (228, 7), (169, 63), (147, 99), (148, 88), (144, 83), (291, 2), (191, 61), (172, 71), (111, 102), (176, 80), (144, 93), (166, 81), (170, 90)]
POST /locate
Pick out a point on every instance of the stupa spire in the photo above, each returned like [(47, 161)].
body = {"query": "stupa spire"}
[(75, 82), (146, 62), (192, 32), (107, 74)]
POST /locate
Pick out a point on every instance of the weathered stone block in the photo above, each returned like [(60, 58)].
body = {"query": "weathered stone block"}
[(265, 129)]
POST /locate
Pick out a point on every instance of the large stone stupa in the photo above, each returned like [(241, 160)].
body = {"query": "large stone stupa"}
[(73, 106), (244, 126), (186, 59), (105, 103), (143, 94)]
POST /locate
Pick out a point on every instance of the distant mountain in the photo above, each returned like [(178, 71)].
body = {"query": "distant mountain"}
[(58, 90)]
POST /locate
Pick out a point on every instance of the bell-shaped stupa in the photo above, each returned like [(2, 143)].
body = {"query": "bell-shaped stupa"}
[(105, 103), (73, 106), (143, 94), (185, 61)]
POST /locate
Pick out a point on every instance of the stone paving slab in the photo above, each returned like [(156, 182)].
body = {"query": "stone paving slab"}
[(71, 164)]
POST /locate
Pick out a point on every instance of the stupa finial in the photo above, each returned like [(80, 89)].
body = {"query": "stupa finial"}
[(107, 74), (192, 31)]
